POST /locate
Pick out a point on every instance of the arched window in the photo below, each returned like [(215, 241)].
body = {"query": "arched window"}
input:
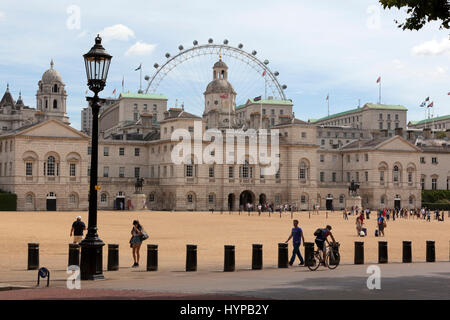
[(303, 171), (151, 197), (190, 198), (103, 198), (55, 88), (396, 174), (341, 199), (55, 104), (29, 199), (51, 166)]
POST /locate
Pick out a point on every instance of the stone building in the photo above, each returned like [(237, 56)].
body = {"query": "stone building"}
[(46, 162)]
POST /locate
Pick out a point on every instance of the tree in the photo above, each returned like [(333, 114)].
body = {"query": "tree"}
[(421, 12)]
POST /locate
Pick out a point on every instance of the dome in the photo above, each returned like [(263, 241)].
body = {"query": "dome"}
[(220, 86), (51, 75), (220, 64)]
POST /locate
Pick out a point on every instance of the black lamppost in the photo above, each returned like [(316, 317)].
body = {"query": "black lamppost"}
[(97, 62)]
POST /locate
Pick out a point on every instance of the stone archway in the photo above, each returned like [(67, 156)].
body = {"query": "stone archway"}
[(245, 198), (262, 199), (231, 202)]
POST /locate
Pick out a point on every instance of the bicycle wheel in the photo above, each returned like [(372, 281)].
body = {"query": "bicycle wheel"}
[(313, 262), (333, 259)]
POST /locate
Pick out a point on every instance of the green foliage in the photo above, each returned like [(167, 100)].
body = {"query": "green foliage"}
[(8, 201), (440, 135), (436, 206), (421, 12), (436, 196)]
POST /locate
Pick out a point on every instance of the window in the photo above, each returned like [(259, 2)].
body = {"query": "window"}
[(411, 200), (396, 174), (211, 198), (357, 157), (382, 200), (348, 176), (380, 116), (191, 129), (151, 197), (29, 199), (245, 170), (333, 176), (190, 198), (366, 176), (55, 104), (366, 157), (422, 183), (72, 170), (211, 172), (303, 199), (281, 111), (348, 158), (137, 172), (434, 160), (51, 166), (357, 176), (422, 159), (137, 151), (121, 172), (434, 184), (381, 125), (72, 199), (302, 173), (341, 199), (410, 176), (322, 142), (230, 172), (389, 117), (89, 151), (322, 158), (278, 175), (121, 151), (28, 169), (103, 198), (322, 176), (106, 151), (396, 117), (189, 170)]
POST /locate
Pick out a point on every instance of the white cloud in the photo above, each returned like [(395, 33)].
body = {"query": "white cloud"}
[(432, 48), (116, 32), (140, 49)]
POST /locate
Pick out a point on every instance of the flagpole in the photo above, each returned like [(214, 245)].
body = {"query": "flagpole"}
[(379, 98), (328, 100), (140, 79)]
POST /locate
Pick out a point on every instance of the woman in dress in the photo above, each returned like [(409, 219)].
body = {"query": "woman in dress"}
[(136, 241)]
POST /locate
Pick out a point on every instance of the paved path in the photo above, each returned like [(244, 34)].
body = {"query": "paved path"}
[(398, 281)]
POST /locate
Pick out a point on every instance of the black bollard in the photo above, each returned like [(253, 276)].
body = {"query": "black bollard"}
[(33, 256), (309, 249), (229, 262), (407, 252), (152, 257), (257, 257), (382, 252), (359, 252), (283, 255), (431, 256), (113, 257), (191, 257), (74, 254), (309, 214)]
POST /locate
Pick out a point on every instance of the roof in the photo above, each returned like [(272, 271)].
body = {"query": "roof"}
[(430, 120), (143, 96), (365, 107), (266, 101), (182, 115)]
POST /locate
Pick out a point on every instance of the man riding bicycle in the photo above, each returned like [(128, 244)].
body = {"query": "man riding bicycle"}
[(321, 237)]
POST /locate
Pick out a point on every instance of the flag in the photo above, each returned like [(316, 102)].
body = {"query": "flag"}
[(264, 73), (328, 97), (379, 80), (430, 105), (123, 81), (138, 68), (224, 96), (448, 93), (114, 91), (257, 98)]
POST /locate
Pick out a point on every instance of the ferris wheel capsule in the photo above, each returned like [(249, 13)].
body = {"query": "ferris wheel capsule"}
[(254, 52), (266, 62), (276, 73), (240, 45), (156, 66), (167, 55), (210, 40), (284, 87), (147, 78), (195, 42), (180, 47), (225, 41)]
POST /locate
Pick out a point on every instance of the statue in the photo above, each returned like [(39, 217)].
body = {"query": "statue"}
[(353, 189), (138, 185)]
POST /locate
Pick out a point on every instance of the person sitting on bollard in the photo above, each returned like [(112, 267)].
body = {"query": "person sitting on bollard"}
[(137, 233), (322, 236), (77, 230), (297, 237)]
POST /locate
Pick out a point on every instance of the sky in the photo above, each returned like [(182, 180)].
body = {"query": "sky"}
[(330, 47)]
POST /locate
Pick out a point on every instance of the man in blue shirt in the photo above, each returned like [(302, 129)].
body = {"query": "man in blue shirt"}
[(297, 237)]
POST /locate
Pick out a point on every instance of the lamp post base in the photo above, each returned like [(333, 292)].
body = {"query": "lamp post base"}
[(91, 264)]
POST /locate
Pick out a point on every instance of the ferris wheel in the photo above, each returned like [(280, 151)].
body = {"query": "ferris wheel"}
[(184, 76)]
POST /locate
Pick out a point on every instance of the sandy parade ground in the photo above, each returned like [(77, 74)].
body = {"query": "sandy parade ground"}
[(173, 230)]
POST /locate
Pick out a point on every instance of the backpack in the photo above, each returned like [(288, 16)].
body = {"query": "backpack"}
[(318, 233)]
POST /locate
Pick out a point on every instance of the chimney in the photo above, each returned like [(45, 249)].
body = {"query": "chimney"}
[(427, 133), (383, 133), (399, 132)]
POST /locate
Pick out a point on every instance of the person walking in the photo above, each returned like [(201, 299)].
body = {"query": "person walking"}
[(77, 230), (137, 236), (358, 226), (297, 237), (381, 225)]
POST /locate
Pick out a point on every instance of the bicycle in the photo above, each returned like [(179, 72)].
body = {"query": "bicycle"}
[(332, 258)]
